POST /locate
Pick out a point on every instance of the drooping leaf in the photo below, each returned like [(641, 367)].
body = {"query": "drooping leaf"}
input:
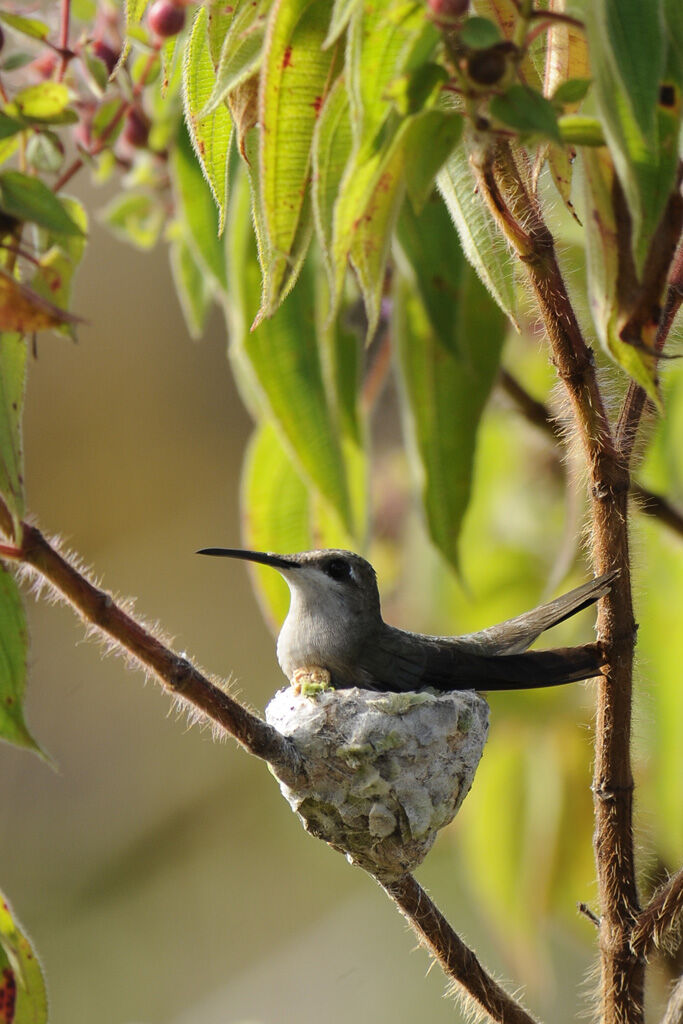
[(192, 286), (198, 209), (136, 218), (341, 14), (239, 48), (450, 337), (602, 268), (331, 149), (43, 102), (296, 77), (629, 62), (28, 199), (482, 243), (13, 658), (22, 985), (430, 139), (276, 514), (58, 265), (210, 134), (12, 379), (279, 365)]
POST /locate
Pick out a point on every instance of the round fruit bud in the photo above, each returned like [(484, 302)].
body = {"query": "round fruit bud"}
[(136, 130), (105, 53), (486, 67), (447, 10), (166, 18)]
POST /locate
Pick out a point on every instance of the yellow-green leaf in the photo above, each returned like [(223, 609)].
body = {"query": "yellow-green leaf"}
[(42, 102), (20, 972), (12, 380)]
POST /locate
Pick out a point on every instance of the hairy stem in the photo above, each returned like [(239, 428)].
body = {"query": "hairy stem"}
[(519, 217), (456, 959), (663, 914)]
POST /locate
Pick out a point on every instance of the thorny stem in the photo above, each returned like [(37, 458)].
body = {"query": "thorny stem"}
[(456, 959), (180, 677), (540, 416), (519, 217)]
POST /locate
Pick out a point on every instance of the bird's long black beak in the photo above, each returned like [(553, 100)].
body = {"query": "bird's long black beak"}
[(262, 557)]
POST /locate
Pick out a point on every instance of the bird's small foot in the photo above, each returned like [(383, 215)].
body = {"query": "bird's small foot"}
[(310, 680)]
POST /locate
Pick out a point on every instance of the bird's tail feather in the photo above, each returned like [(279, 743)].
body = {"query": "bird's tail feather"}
[(531, 669)]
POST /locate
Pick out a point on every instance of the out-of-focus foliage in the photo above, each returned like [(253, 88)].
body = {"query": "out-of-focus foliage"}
[(313, 167)]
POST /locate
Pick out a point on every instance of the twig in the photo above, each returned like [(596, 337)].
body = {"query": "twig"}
[(64, 39), (519, 217), (456, 959), (584, 909), (662, 915), (540, 416), (177, 674)]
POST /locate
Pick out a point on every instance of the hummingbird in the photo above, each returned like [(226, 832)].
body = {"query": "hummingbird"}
[(335, 623)]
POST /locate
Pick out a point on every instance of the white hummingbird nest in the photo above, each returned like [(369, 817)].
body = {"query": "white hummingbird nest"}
[(385, 771)]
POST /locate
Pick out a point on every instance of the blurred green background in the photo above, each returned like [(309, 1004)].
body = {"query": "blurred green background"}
[(161, 875)]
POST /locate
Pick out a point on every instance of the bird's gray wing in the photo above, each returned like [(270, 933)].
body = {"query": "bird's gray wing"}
[(400, 661), (515, 635)]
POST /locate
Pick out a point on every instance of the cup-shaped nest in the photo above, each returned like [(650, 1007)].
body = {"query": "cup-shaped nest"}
[(384, 772)]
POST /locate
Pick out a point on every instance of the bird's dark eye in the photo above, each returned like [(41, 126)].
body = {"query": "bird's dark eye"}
[(338, 569)]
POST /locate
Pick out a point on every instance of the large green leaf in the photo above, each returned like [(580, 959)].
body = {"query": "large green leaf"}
[(22, 985), (210, 133), (482, 243), (276, 514), (630, 63), (278, 363), (331, 150), (28, 199), (295, 79), (12, 378), (450, 337), (13, 656), (197, 209)]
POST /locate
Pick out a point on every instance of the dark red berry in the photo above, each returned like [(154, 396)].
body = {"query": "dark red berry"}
[(447, 10), (166, 18), (105, 53), (486, 67), (136, 130)]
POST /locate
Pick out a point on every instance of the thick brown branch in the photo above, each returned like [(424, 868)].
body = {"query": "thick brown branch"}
[(456, 959), (519, 217), (540, 416), (177, 674), (662, 915)]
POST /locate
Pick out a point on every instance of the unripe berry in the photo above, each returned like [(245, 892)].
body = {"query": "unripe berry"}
[(166, 18), (136, 130)]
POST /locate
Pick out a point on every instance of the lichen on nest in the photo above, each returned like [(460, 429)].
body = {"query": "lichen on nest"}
[(384, 771)]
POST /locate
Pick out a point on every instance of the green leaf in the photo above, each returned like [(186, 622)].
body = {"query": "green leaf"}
[(9, 127), (276, 514), (527, 111), (295, 79), (30, 27), (135, 218), (45, 152), (479, 33), (417, 89), (12, 382), (197, 208), (482, 243), (448, 365), (573, 90), (134, 12), (629, 63), (13, 658), (341, 15), (430, 140), (15, 61), (21, 977), (240, 49), (331, 149), (192, 287), (210, 134), (278, 364), (58, 265), (28, 199), (43, 102)]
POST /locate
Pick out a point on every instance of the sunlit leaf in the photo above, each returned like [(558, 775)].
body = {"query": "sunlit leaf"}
[(210, 134), (30, 27), (341, 14), (296, 76), (42, 102), (12, 378), (239, 48), (136, 218), (27, 198), (449, 336), (13, 659), (331, 149), (24, 310), (482, 243), (21, 976), (58, 265)]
